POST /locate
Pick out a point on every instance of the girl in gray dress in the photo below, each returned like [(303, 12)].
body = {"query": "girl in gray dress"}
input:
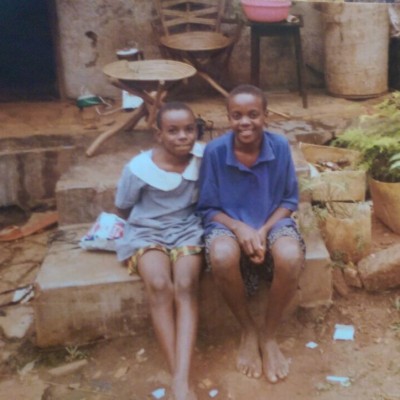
[(162, 241)]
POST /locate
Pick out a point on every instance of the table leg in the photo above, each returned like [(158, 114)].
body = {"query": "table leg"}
[(153, 108), (141, 93), (255, 57), (131, 121)]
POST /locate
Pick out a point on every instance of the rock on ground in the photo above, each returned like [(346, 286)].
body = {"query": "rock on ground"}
[(381, 270), (17, 321)]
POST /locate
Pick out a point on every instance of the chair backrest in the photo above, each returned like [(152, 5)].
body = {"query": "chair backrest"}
[(184, 15)]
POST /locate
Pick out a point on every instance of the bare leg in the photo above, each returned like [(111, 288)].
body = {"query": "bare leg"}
[(154, 268), (225, 258), (186, 284), (288, 261)]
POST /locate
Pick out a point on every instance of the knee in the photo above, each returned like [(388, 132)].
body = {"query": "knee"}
[(288, 262), (186, 286), (224, 255), (160, 287)]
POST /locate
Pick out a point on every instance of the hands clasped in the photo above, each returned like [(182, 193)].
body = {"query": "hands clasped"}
[(252, 241)]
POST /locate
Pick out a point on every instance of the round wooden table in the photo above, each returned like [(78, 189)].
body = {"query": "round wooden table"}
[(148, 79)]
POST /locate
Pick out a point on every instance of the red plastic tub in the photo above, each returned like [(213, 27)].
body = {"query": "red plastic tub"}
[(266, 10)]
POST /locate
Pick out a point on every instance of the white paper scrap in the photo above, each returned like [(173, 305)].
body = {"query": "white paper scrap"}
[(213, 393), (343, 332), (23, 295), (130, 101), (158, 393), (343, 380)]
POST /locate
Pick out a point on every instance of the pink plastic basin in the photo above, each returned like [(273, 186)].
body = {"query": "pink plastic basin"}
[(266, 10)]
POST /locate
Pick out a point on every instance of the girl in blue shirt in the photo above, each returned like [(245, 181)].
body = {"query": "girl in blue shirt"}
[(248, 191)]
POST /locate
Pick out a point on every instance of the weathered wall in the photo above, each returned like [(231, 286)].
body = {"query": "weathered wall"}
[(90, 33), (31, 167)]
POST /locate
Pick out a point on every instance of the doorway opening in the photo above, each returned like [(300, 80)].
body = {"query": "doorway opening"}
[(28, 67)]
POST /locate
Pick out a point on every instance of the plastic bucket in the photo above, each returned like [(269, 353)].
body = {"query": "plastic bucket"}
[(88, 101), (356, 49)]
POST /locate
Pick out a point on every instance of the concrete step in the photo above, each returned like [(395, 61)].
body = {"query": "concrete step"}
[(30, 171), (31, 165), (81, 296), (89, 187)]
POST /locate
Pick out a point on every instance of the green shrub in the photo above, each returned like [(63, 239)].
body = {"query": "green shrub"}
[(377, 137)]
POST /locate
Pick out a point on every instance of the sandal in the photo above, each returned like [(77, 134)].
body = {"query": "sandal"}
[(36, 223)]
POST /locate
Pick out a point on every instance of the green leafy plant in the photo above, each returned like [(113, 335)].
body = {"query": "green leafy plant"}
[(377, 137), (73, 353)]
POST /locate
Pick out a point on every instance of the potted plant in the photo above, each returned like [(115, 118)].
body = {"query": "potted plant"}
[(377, 137)]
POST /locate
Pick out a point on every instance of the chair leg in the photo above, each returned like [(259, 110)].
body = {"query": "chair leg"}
[(131, 121), (213, 83)]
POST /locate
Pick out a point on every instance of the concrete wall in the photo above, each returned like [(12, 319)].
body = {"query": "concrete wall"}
[(91, 31), (30, 169)]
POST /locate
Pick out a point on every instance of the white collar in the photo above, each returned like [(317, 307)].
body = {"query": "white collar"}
[(144, 168)]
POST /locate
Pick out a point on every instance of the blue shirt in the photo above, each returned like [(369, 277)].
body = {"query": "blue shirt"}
[(252, 194)]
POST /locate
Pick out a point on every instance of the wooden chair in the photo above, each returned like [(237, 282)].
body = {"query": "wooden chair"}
[(191, 31)]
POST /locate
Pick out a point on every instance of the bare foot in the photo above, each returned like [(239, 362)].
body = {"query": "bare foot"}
[(249, 359), (182, 391), (276, 365)]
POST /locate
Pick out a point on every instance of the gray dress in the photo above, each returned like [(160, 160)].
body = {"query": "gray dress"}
[(163, 205)]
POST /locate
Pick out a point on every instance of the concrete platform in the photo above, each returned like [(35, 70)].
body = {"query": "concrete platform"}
[(82, 296)]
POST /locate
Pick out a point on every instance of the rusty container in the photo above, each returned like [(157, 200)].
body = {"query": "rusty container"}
[(356, 49)]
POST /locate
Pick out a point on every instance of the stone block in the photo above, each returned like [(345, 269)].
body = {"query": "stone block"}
[(83, 205), (347, 184), (29, 176), (82, 296), (381, 270), (352, 277), (300, 162), (16, 321), (316, 137), (316, 280), (88, 188), (305, 131)]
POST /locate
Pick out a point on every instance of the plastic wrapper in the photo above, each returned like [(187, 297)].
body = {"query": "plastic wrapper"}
[(102, 235)]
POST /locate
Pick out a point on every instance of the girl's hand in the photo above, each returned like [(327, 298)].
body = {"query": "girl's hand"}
[(250, 242), (258, 257)]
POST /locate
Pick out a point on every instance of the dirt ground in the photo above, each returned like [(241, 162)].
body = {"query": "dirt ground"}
[(132, 368)]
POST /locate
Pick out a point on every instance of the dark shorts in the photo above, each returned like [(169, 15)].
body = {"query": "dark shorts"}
[(252, 273)]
